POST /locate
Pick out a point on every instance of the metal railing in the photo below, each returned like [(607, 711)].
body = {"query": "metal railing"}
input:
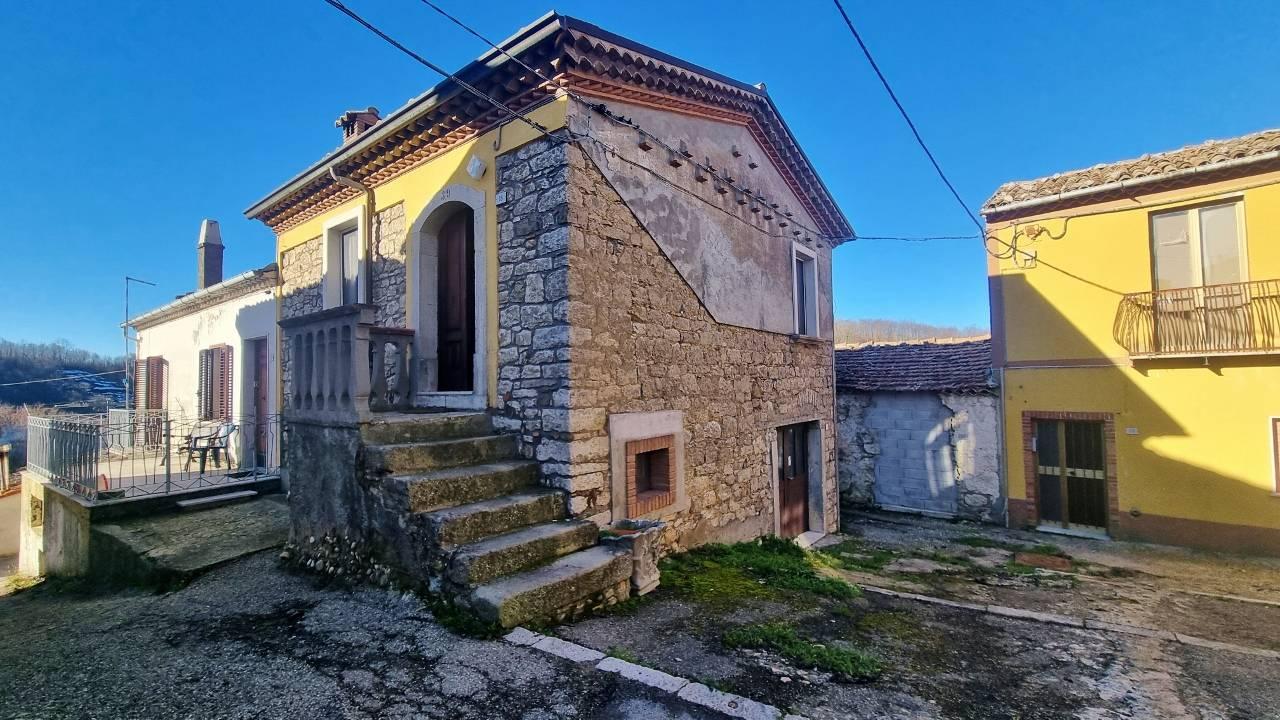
[(142, 453), (1229, 319), (341, 368)]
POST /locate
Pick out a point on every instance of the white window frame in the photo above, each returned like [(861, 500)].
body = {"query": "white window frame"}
[(798, 252), (1193, 238), (334, 228)]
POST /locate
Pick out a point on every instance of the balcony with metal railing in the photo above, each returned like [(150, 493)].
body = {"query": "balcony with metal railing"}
[(1211, 320)]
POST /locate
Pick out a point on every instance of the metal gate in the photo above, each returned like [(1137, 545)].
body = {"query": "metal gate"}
[(1072, 474)]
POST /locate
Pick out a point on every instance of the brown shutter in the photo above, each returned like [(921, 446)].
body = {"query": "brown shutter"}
[(222, 403), (204, 385), (157, 372)]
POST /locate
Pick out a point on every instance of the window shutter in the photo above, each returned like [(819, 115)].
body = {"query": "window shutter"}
[(205, 385), (157, 371), (222, 405), (140, 384)]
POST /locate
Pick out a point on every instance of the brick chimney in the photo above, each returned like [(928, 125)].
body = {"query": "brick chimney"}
[(209, 255), (355, 122)]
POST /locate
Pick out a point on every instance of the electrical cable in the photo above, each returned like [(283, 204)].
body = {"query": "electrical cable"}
[(62, 379)]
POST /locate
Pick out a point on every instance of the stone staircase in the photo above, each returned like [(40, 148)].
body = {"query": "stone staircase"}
[(485, 532)]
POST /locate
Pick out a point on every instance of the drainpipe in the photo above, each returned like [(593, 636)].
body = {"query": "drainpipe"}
[(371, 212)]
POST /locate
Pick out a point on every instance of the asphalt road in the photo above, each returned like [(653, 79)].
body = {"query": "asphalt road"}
[(251, 641)]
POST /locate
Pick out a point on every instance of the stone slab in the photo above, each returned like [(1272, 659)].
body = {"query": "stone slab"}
[(1229, 647), (1130, 630), (521, 636), (727, 703), (1019, 613), (641, 674), (176, 548), (567, 650)]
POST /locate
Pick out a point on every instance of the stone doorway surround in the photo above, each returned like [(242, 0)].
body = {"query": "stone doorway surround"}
[(423, 247), (630, 427), (816, 470)]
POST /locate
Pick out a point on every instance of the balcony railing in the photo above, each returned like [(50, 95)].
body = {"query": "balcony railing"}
[(343, 367), (1229, 319)]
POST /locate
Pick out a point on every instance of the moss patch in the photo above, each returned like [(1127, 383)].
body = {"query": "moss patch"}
[(783, 639), (463, 622), (855, 555), (623, 654), (894, 624), (724, 575)]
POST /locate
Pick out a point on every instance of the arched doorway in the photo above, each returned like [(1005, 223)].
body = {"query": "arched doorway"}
[(456, 302), (448, 299)]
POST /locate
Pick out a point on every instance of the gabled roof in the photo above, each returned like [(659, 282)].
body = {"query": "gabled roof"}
[(264, 277), (1195, 164), (956, 367), (572, 53)]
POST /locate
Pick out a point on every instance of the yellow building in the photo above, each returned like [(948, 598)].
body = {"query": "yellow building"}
[(1135, 311)]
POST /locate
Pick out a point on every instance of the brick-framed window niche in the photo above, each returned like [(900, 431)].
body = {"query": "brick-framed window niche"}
[(646, 465), (1031, 462), (650, 475)]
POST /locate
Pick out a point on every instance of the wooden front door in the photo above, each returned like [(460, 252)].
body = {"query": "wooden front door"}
[(261, 386), (793, 480), (456, 303), (1072, 473)]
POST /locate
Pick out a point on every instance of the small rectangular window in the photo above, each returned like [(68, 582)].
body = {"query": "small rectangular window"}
[(806, 292), (350, 247)]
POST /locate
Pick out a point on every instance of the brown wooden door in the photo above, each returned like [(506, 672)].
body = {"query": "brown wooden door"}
[(261, 386), (793, 480), (456, 306), (1072, 473)]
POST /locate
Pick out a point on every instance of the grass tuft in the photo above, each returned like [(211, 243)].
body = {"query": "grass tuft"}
[(623, 654), (765, 568), (854, 555), (782, 639)]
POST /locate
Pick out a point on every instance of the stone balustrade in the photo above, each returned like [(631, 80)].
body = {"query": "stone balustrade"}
[(340, 366)]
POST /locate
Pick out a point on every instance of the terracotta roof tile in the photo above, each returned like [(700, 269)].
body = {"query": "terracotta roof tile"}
[(1204, 156), (960, 367)]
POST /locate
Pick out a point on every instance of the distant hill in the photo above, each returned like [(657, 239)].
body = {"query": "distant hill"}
[(73, 375), (853, 332)]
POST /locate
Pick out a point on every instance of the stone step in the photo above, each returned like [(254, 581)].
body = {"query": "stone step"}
[(461, 485), (521, 550), (414, 457), (474, 521), (405, 427), (554, 590), (213, 501)]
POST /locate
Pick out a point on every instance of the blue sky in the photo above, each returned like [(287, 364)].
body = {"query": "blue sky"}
[(128, 122)]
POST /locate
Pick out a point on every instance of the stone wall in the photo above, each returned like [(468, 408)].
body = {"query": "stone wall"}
[(925, 451), (641, 341), (390, 254), (301, 271), (533, 304)]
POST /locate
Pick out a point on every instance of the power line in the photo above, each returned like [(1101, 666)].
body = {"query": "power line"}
[(919, 140), (600, 108), (63, 379), (465, 85), (916, 238)]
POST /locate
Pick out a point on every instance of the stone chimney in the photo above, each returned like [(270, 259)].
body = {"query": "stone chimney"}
[(209, 255), (355, 122)]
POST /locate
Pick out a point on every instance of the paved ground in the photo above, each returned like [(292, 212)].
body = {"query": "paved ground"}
[(250, 641), (946, 662)]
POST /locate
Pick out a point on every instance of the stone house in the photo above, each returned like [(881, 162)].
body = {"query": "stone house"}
[(610, 308), (918, 429)]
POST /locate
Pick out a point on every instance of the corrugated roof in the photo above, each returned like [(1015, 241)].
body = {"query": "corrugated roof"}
[(960, 367), (1203, 158)]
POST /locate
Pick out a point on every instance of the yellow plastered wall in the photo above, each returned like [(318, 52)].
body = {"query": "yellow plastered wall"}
[(418, 186), (1193, 440)]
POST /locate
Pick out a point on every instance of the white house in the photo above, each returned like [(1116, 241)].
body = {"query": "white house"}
[(208, 359)]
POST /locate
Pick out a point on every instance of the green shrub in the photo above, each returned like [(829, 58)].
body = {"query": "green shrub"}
[(782, 639)]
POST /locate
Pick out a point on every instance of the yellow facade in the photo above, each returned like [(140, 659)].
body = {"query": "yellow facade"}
[(417, 187), (1194, 460)]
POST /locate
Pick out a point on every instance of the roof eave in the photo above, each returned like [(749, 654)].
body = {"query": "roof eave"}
[(230, 288), (529, 35)]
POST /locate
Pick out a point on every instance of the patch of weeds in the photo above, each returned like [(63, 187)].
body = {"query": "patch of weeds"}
[(462, 621), (723, 686), (782, 639), (765, 568), (853, 555), (945, 559), (623, 654), (1016, 568), (893, 624), (844, 611), (1047, 549), (981, 541), (630, 606)]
